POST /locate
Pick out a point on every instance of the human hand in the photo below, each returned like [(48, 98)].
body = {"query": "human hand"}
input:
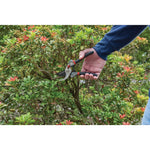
[(92, 63)]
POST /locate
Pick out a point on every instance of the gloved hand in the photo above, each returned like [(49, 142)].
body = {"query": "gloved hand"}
[(92, 63)]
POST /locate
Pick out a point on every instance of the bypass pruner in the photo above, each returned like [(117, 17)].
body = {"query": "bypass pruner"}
[(69, 71)]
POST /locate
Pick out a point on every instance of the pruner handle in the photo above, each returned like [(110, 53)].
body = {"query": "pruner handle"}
[(83, 73), (86, 55)]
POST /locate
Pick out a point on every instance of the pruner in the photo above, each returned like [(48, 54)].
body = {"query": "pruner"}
[(70, 71)]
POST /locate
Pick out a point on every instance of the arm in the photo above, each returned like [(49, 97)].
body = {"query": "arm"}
[(117, 38)]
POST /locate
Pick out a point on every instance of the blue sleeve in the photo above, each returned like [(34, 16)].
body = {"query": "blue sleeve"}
[(118, 37)]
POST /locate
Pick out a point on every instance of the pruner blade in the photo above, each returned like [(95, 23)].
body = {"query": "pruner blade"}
[(67, 71), (61, 74)]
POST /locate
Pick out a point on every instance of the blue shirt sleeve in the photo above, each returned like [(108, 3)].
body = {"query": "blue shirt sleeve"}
[(118, 37)]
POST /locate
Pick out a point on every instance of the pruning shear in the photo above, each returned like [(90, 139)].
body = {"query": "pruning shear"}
[(70, 71)]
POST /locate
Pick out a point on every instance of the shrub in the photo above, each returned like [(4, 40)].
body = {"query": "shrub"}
[(31, 93)]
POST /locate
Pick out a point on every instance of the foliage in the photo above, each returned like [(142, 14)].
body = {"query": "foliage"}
[(5, 32), (31, 93)]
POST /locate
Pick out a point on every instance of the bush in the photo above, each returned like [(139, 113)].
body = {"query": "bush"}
[(31, 93)]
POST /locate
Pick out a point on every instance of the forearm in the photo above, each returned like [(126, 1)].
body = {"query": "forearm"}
[(117, 38)]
